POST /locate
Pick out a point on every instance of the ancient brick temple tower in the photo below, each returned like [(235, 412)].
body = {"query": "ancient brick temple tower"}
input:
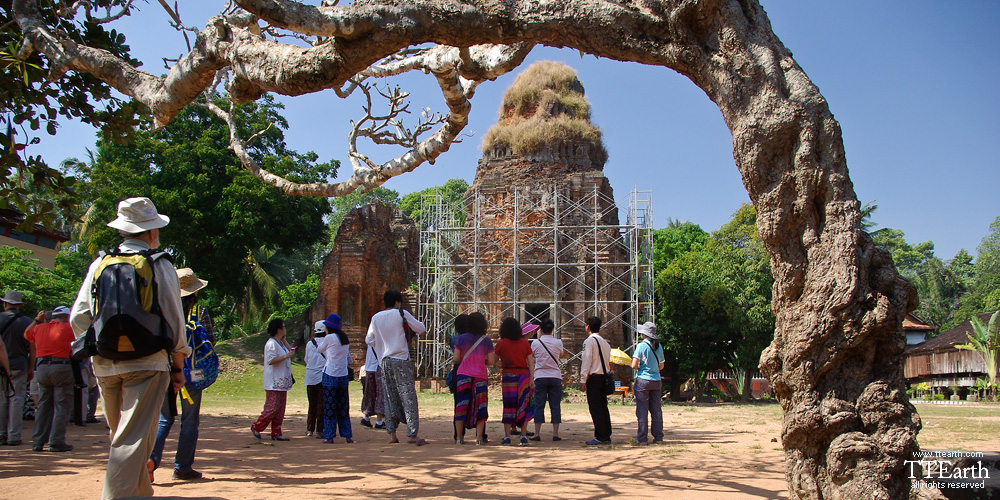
[(375, 250), (540, 236)]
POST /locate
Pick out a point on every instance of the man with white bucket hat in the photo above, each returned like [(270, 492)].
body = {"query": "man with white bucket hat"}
[(132, 390)]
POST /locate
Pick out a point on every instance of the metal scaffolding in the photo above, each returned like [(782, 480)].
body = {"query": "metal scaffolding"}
[(532, 253)]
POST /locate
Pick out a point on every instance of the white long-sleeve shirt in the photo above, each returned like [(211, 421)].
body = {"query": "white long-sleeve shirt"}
[(338, 355), (386, 335), (169, 294), (591, 361)]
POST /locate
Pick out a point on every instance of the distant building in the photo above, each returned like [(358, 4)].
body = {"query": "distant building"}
[(940, 364), (915, 329), (42, 242)]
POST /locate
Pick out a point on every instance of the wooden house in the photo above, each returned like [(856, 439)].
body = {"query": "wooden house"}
[(940, 364)]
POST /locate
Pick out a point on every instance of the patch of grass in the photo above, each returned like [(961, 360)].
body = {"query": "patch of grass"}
[(668, 450)]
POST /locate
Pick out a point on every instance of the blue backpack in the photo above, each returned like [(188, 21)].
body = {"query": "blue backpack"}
[(202, 367)]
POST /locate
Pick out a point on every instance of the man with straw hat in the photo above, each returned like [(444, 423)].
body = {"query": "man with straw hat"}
[(647, 360), (187, 442), (20, 368), (132, 390)]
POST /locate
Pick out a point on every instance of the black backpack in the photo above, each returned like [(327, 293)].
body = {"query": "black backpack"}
[(128, 323)]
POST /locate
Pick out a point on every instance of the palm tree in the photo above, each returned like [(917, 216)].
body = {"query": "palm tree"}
[(265, 272), (866, 216), (986, 343)]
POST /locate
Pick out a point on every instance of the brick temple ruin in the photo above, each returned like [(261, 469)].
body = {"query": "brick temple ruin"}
[(539, 233)]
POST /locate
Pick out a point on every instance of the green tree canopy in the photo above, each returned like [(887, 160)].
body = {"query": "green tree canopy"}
[(713, 294), (453, 192), (219, 212)]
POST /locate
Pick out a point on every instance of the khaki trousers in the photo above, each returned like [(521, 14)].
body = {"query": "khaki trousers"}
[(132, 404)]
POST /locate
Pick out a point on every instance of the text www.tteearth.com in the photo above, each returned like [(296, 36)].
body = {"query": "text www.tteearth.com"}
[(948, 454)]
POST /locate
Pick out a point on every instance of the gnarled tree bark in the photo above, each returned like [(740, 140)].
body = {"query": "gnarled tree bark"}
[(835, 362)]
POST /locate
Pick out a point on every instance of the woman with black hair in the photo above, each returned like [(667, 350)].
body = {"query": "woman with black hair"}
[(473, 353), (336, 407), (277, 381), (517, 378)]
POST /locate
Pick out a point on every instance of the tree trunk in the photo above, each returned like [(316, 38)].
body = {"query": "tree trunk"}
[(747, 386)]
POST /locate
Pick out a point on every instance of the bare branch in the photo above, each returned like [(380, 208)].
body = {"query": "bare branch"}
[(68, 11)]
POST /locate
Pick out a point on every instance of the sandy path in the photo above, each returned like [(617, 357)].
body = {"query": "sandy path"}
[(727, 458)]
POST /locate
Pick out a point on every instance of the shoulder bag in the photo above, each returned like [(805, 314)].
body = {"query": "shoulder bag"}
[(452, 378), (609, 381)]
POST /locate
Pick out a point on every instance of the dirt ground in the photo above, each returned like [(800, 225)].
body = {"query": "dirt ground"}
[(710, 453)]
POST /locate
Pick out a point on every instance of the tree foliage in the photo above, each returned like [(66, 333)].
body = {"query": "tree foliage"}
[(939, 286), (32, 104), (453, 192), (985, 341), (713, 294), (43, 289), (220, 214)]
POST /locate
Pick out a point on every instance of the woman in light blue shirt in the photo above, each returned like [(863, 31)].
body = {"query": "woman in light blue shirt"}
[(647, 360)]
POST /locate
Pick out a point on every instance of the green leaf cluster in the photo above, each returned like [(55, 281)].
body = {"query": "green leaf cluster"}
[(32, 103)]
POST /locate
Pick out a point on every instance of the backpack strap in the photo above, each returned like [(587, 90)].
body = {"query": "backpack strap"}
[(317, 348)]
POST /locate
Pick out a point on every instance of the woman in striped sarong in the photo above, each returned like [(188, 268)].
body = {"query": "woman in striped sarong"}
[(517, 378), (473, 353)]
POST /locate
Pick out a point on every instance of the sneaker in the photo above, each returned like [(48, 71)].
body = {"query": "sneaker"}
[(16, 442), (379, 425), (657, 441), (366, 422), (279, 438), (459, 441), (37, 447), (505, 441), (150, 467), (309, 433), (535, 438), (524, 441), (57, 448), (594, 442), (255, 433), (328, 441), (186, 475), (479, 442), (556, 438)]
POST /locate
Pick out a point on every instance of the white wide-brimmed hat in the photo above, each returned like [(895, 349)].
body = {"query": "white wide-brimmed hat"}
[(648, 329), (319, 327), (13, 297), (189, 282), (136, 215)]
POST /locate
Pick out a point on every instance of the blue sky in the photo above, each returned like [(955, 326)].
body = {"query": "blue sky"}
[(913, 85)]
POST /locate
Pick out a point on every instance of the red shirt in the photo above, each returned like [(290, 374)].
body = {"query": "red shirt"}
[(514, 355), (51, 339)]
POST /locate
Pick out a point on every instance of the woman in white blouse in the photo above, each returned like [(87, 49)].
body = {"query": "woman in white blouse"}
[(277, 381), (336, 406)]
